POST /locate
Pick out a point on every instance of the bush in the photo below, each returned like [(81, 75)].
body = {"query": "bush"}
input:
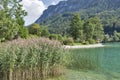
[(45, 33), (60, 38), (68, 41), (77, 40), (53, 36), (35, 29), (86, 43), (92, 41), (23, 32), (107, 38), (8, 28)]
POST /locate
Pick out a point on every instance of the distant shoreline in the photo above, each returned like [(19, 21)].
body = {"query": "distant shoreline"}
[(84, 46)]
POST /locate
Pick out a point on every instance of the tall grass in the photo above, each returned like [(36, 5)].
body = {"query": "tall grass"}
[(84, 59), (30, 59)]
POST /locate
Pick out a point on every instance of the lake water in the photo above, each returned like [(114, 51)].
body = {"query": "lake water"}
[(105, 59), (111, 57)]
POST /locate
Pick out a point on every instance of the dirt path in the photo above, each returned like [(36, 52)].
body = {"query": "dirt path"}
[(85, 46)]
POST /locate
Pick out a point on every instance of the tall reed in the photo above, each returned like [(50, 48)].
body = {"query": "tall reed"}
[(30, 59), (84, 59)]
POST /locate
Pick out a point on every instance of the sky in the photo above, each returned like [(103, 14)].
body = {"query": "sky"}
[(35, 9)]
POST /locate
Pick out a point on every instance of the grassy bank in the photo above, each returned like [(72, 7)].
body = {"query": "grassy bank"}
[(30, 59)]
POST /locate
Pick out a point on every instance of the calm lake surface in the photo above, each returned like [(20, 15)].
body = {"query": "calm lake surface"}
[(107, 58)]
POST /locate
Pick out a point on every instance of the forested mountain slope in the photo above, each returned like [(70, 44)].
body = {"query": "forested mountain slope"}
[(107, 10)]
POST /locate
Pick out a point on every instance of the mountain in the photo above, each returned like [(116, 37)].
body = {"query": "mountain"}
[(62, 12)]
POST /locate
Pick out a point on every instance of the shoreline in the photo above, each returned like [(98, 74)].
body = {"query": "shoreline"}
[(84, 46)]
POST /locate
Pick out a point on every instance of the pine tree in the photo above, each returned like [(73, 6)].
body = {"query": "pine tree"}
[(76, 27)]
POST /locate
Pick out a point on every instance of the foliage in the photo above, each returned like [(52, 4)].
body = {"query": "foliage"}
[(53, 36), (60, 38), (91, 41), (45, 32), (11, 19), (81, 31), (54, 24), (107, 38), (89, 31), (8, 27), (68, 41), (116, 36), (36, 29), (93, 29), (93, 7), (30, 59), (112, 38), (109, 17), (75, 26), (23, 32)]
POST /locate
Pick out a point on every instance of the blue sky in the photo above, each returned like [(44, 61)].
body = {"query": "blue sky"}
[(35, 8)]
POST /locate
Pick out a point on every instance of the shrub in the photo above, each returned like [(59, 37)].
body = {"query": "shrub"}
[(23, 32), (53, 36), (92, 41), (60, 38), (86, 43), (107, 38), (77, 40), (35, 29), (45, 33), (8, 28), (68, 41)]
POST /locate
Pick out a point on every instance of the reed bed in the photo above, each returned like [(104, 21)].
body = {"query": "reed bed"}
[(31, 59), (84, 59)]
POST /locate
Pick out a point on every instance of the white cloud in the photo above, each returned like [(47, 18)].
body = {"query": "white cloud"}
[(51, 2), (34, 8)]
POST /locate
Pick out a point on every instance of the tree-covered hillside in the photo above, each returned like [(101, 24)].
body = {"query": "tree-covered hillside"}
[(92, 6), (58, 17)]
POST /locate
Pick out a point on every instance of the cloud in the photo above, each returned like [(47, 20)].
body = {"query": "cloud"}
[(34, 8), (51, 2)]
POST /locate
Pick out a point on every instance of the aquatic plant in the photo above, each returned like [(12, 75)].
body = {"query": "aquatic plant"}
[(81, 60), (30, 59)]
